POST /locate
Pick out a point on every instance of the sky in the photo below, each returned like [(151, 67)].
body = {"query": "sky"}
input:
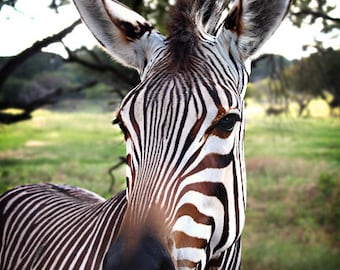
[(30, 22)]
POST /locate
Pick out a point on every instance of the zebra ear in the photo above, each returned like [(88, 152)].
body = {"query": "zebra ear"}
[(252, 22), (125, 34)]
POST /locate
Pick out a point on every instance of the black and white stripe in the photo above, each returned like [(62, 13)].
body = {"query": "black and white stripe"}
[(57, 227)]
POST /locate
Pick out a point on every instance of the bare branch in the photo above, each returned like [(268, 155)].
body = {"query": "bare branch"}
[(9, 118), (29, 104), (18, 59), (122, 160), (97, 65), (316, 14)]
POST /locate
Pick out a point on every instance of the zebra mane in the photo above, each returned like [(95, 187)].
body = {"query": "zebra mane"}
[(188, 20)]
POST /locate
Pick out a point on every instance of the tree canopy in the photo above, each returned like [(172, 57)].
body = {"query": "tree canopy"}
[(301, 12), (309, 11)]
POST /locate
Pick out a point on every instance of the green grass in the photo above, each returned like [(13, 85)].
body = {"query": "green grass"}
[(293, 211), (74, 148), (292, 166), (310, 139)]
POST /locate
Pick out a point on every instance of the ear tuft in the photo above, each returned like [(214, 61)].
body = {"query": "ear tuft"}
[(133, 32), (233, 21)]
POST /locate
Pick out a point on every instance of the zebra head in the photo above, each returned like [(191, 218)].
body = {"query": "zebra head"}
[(184, 122)]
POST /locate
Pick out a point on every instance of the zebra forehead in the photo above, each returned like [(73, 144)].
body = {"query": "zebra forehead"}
[(192, 99), (205, 84)]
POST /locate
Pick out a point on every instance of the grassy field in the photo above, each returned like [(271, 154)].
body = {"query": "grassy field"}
[(293, 171), (293, 215)]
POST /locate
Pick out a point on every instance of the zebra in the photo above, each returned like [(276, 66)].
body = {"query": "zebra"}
[(185, 201), (39, 221)]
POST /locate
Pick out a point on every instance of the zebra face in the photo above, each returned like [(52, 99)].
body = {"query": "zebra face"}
[(184, 123), (184, 135)]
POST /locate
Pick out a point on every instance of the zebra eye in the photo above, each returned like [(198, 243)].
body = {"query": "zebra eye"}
[(227, 123)]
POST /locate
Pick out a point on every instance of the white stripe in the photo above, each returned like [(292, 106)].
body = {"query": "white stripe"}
[(192, 228)]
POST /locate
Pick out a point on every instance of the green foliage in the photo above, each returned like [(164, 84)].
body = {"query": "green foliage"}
[(328, 61), (309, 11), (98, 91), (11, 89), (37, 63), (313, 76), (303, 77), (300, 81)]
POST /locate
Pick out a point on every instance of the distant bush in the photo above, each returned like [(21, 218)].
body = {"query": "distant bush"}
[(327, 201)]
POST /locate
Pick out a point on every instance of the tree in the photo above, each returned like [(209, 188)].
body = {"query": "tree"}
[(301, 83), (315, 76), (39, 96), (308, 11), (327, 63), (154, 10)]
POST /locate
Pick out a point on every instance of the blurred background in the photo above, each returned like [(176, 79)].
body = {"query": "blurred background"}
[(59, 92)]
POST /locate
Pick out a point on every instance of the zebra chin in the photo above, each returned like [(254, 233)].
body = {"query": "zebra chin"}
[(138, 252)]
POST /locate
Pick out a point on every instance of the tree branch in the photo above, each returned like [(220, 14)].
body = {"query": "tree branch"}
[(72, 57), (9, 118), (122, 160), (28, 104), (18, 59), (315, 14)]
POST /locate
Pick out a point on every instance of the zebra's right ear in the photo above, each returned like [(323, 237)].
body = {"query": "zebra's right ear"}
[(125, 34), (251, 22)]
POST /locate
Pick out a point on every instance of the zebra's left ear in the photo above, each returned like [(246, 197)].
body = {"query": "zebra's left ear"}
[(251, 22), (126, 35)]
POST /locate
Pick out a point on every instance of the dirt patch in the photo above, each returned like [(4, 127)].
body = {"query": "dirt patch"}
[(11, 154), (34, 143)]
